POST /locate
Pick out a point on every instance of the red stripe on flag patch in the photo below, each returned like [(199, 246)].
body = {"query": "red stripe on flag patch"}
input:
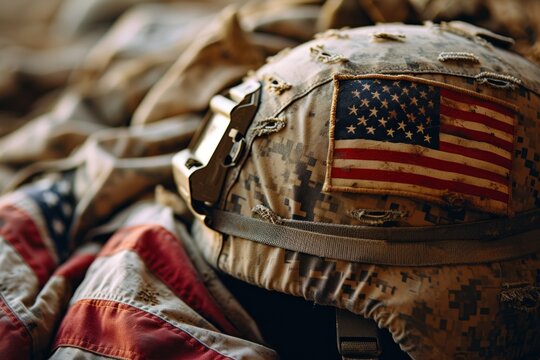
[(15, 340), (477, 118), (486, 156), (476, 101), (414, 179), (22, 234), (164, 255), (119, 330), (416, 159), (477, 136)]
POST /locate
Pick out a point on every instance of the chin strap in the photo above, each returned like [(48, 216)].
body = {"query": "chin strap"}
[(357, 337)]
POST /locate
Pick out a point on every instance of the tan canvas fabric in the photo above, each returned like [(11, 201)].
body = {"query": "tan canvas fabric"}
[(108, 91)]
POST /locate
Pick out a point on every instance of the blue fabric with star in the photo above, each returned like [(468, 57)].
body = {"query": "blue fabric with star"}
[(56, 202), (386, 110)]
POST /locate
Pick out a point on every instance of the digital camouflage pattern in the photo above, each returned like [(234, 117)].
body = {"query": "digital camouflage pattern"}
[(447, 312), (466, 311), (286, 171), (100, 94)]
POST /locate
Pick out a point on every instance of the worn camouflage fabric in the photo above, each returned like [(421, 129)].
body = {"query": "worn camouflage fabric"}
[(96, 96), (487, 310)]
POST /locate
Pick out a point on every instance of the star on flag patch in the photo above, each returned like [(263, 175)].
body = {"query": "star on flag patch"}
[(414, 137)]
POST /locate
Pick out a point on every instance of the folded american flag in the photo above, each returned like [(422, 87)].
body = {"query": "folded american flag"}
[(407, 136), (138, 297)]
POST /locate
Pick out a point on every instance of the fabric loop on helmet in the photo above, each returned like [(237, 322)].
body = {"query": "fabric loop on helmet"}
[(485, 241)]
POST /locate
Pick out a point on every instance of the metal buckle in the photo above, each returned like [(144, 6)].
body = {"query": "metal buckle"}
[(357, 337), (220, 144)]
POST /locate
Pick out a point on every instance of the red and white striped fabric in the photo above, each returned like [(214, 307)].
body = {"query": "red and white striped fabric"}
[(34, 288), (141, 297)]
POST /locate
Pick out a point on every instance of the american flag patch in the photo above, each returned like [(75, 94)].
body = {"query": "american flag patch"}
[(409, 136)]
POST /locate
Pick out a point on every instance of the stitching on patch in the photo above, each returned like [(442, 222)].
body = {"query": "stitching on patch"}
[(276, 84), (377, 217), (331, 138), (266, 214), (320, 53), (269, 126), (497, 80), (458, 56), (387, 36)]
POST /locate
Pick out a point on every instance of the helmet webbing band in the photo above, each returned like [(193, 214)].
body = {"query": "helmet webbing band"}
[(477, 242)]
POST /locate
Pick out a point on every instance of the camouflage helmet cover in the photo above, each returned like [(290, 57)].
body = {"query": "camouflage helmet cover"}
[(403, 126)]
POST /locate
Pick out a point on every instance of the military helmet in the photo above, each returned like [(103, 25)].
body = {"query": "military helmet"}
[(391, 171)]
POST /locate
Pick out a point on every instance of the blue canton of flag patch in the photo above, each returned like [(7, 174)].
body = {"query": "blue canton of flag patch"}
[(394, 111), (408, 136)]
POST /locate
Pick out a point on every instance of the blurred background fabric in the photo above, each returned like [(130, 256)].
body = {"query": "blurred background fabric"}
[(96, 96), (71, 69)]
